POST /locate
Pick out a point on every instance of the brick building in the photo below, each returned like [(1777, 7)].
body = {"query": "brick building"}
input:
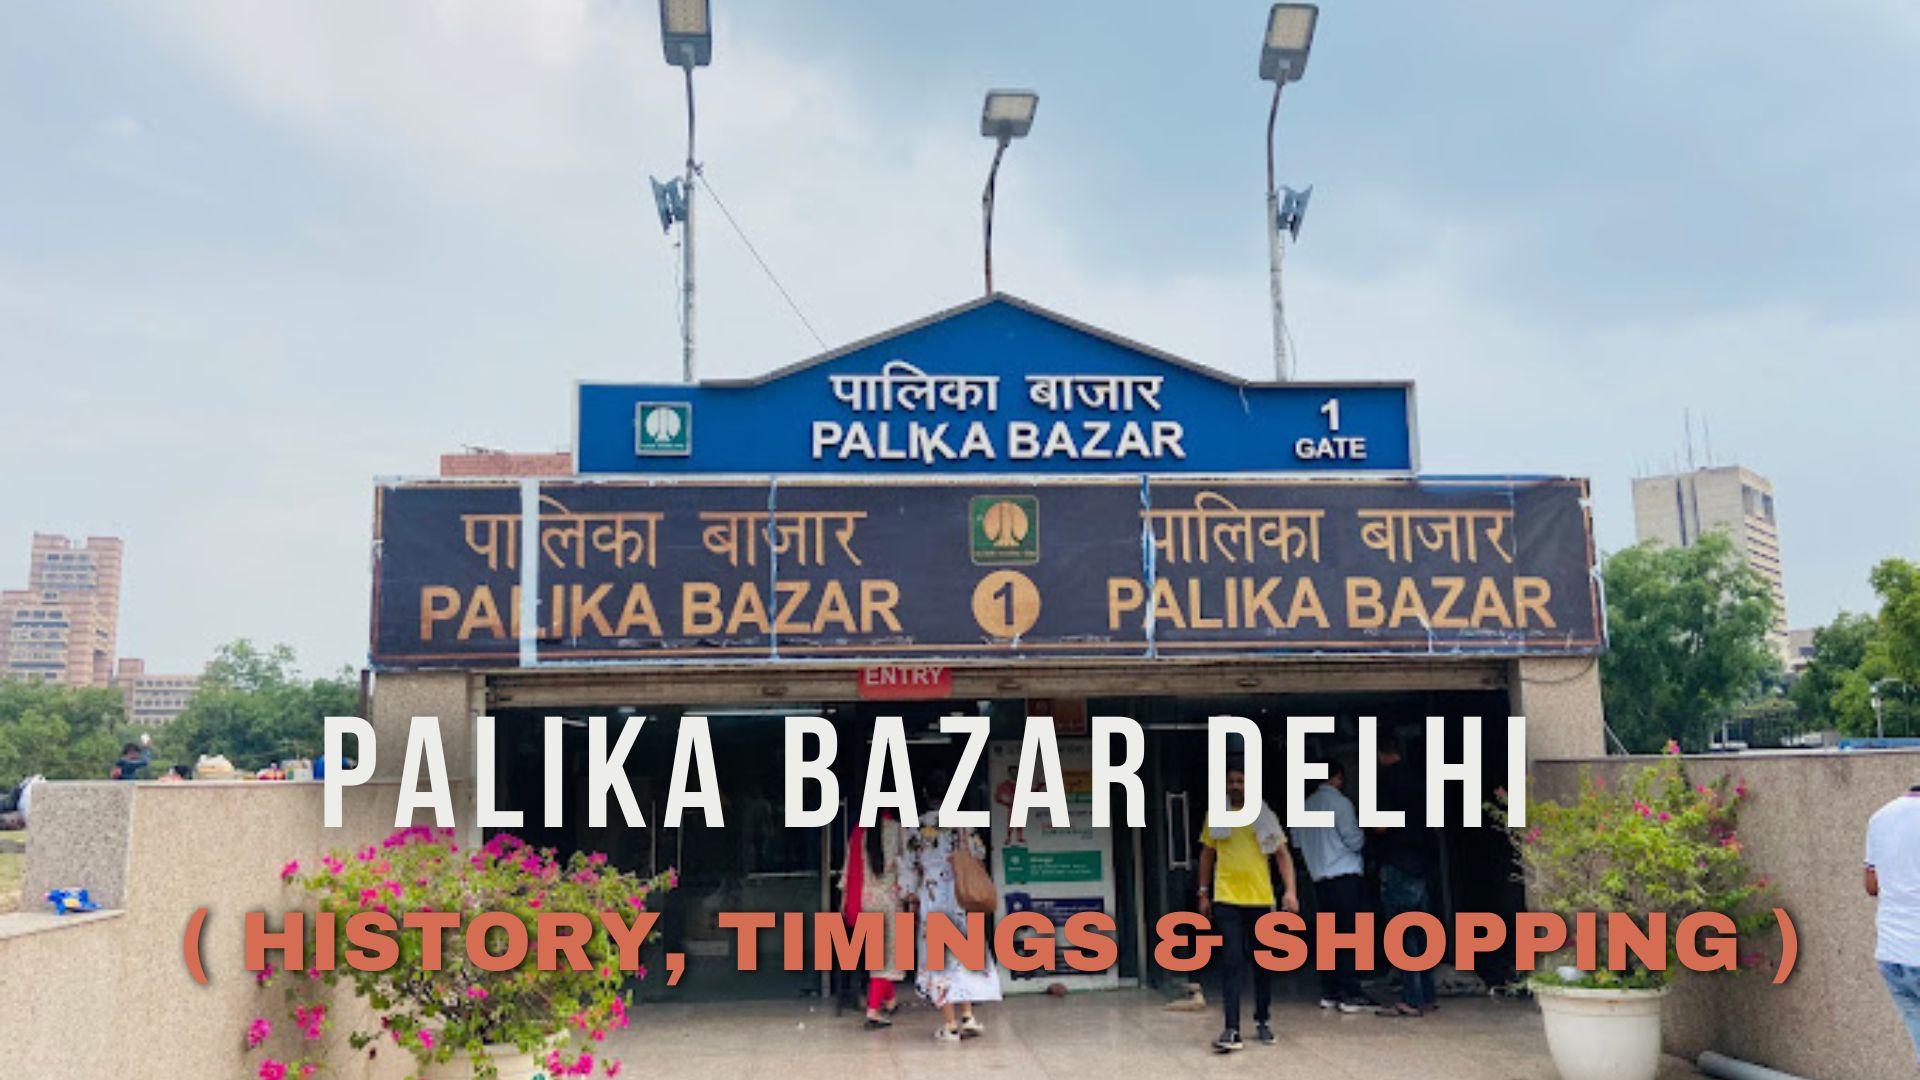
[(64, 626)]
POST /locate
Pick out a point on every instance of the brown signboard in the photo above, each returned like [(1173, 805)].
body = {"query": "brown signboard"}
[(504, 574)]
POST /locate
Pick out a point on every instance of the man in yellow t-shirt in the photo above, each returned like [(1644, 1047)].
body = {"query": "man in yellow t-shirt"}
[(1235, 891)]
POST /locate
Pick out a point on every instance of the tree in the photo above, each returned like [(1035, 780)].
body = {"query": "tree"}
[(1687, 640), (61, 732), (253, 706), (1825, 693), (1897, 583)]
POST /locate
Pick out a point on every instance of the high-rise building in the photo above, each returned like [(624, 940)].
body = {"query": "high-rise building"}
[(1680, 508), (153, 699), (64, 626)]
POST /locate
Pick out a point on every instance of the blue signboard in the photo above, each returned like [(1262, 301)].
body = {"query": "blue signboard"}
[(997, 386)]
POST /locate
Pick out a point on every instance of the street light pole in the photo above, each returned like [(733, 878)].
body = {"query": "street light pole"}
[(1006, 116), (1282, 361), (686, 248), (986, 213), (1283, 59), (686, 38)]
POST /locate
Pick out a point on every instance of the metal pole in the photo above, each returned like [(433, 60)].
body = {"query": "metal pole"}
[(1282, 362), (686, 248), (986, 212)]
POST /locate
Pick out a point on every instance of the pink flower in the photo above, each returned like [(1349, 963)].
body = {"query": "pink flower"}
[(393, 887), (613, 1067), (426, 1038), (309, 1069), (289, 870), (333, 865), (1673, 746), (258, 1032), (598, 858), (264, 975), (477, 993), (368, 896), (1500, 792), (273, 1070), (1664, 816), (636, 902)]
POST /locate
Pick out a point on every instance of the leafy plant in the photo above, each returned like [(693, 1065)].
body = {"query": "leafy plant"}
[(563, 1014), (1654, 842)]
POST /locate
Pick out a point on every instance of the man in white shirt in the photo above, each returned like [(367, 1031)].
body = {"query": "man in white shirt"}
[(1893, 875), (1339, 882)]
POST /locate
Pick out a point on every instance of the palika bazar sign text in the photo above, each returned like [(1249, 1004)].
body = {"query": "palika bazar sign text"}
[(997, 387), (556, 571)]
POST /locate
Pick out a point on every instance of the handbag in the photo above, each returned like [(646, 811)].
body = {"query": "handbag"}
[(972, 885)]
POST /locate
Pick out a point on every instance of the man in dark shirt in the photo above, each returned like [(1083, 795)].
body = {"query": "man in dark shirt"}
[(1403, 868), (133, 758)]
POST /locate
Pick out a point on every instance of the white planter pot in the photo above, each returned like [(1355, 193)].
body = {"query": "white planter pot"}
[(512, 1063), (1598, 1034)]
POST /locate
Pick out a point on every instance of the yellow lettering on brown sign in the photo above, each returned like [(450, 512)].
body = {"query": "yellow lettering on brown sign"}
[(1533, 594), (438, 603), (1364, 610)]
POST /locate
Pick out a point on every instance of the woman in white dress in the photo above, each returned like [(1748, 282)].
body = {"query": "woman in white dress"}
[(926, 880)]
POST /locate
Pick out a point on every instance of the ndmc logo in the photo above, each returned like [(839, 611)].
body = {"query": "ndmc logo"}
[(663, 429), (1004, 530)]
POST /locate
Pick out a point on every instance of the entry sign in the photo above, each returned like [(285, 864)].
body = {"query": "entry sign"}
[(906, 682), (998, 386)]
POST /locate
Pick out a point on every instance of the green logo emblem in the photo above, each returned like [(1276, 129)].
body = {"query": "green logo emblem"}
[(1004, 530), (663, 429)]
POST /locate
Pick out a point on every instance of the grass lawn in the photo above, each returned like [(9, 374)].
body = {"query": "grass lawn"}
[(13, 873)]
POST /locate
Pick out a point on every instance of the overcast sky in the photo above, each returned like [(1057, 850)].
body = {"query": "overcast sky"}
[(254, 253)]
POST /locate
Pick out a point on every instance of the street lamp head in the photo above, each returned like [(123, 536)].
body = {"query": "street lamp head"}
[(1283, 56), (1008, 114), (686, 33)]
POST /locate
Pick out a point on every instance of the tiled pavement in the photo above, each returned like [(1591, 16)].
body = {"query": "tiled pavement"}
[(1120, 1035)]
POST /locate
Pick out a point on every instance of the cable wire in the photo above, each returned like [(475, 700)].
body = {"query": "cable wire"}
[(701, 172)]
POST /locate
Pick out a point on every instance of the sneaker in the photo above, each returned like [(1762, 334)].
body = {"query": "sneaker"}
[(970, 1027), (878, 1023), (946, 1034), (1329, 1004), (1265, 1035), (1228, 1040), (1353, 1005)]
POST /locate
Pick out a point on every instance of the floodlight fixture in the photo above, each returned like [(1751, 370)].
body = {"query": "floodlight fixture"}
[(1008, 114), (1283, 56), (686, 32)]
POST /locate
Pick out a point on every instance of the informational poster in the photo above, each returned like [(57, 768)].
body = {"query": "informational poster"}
[(1056, 872)]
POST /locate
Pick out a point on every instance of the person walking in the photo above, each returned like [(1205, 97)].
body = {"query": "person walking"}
[(1332, 854), (1235, 891), (926, 879), (1893, 876), (870, 883), (1403, 870)]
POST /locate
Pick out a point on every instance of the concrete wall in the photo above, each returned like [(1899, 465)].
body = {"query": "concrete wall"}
[(110, 994), (1560, 697), (1805, 827)]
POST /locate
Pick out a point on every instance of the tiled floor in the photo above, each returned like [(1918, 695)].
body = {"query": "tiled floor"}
[(1121, 1035)]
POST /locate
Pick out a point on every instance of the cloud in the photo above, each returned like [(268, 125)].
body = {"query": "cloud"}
[(122, 126), (473, 231)]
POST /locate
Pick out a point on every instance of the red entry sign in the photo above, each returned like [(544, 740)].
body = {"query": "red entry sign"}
[(905, 682)]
